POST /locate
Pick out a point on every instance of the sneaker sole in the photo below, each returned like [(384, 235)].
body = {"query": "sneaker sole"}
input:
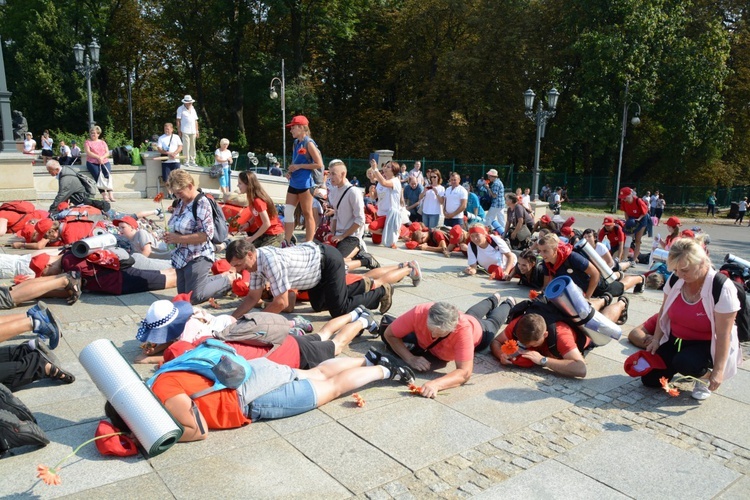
[(12, 404)]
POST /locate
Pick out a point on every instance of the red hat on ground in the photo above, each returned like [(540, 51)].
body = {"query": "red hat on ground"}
[(545, 219), (411, 245), (673, 221), (609, 220), (298, 120), (456, 234), (38, 263), (183, 297), (220, 266), (240, 288), (119, 446), (127, 220), (43, 226), (687, 233), (642, 362), (625, 192)]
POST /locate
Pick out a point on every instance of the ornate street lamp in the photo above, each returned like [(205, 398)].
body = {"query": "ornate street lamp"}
[(636, 120), (281, 82), (86, 64), (540, 117)]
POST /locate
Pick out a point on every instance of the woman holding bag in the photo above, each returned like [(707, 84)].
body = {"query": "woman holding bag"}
[(389, 201), (97, 163)]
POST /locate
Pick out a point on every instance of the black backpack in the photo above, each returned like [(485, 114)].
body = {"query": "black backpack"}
[(551, 315), (121, 156), (742, 320), (221, 228)]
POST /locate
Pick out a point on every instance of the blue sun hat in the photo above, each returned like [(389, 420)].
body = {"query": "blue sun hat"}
[(164, 322)]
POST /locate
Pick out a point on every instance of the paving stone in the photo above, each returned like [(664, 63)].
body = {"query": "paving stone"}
[(641, 454), (737, 491), (377, 494), (145, 487), (345, 457), (551, 480), (711, 418)]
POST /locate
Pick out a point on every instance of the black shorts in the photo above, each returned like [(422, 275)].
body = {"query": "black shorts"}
[(138, 280), (47, 153), (615, 288), (292, 190), (347, 246), (313, 351)]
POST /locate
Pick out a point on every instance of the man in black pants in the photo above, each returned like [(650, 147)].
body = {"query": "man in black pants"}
[(317, 269)]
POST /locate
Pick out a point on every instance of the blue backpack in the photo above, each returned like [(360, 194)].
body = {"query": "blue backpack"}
[(214, 360)]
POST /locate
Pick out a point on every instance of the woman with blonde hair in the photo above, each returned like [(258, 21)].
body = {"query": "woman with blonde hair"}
[(193, 254), (695, 334), (223, 157), (260, 219), (97, 161), (305, 159)]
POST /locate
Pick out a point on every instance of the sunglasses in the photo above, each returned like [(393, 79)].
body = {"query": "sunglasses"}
[(433, 177)]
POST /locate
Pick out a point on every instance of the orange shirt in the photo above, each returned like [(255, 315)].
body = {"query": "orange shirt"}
[(221, 409)]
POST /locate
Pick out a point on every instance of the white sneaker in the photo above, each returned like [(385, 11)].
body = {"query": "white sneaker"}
[(701, 391)]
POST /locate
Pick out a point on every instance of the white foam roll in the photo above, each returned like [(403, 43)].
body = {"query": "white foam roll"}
[(601, 330), (98, 231), (607, 274), (733, 259), (659, 255), (153, 426), (83, 248)]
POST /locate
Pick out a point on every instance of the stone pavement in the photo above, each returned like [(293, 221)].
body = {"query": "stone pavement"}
[(511, 433)]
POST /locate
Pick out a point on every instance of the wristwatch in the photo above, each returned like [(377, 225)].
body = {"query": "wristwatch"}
[(543, 361)]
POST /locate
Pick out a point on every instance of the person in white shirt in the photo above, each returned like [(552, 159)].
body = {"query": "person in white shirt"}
[(169, 144), (456, 198), (65, 157), (29, 144), (432, 199), (741, 213), (417, 172), (47, 143), (490, 252), (75, 152), (223, 157), (187, 124)]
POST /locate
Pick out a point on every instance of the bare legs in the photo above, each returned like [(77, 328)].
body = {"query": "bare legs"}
[(334, 377), (14, 324), (305, 200), (45, 286)]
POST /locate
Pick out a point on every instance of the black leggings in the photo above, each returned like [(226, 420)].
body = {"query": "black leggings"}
[(20, 365), (689, 357)]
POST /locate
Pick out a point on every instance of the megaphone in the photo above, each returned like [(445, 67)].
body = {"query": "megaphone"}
[(85, 247)]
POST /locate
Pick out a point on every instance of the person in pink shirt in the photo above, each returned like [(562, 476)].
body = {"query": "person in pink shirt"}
[(441, 331), (97, 161)]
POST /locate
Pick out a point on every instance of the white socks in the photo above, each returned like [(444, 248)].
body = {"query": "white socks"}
[(386, 372), (364, 322)]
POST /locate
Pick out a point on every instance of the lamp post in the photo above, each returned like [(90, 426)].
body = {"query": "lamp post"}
[(86, 66), (636, 120), (273, 95), (9, 144), (130, 107), (540, 117)]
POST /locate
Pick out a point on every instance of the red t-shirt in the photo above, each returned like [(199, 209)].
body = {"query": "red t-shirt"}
[(221, 409), (458, 346), (689, 321), (634, 209), (260, 206), (286, 354), (566, 338), (615, 236)]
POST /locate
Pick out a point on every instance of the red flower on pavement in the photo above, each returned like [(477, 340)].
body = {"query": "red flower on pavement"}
[(212, 302), (415, 389), (49, 476), (359, 400), (672, 391), (533, 294)]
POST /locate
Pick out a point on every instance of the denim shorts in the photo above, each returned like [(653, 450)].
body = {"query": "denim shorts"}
[(288, 400)]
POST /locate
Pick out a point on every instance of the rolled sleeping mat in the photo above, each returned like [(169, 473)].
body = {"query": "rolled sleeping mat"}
[(153, 426), (85, 247), (567, 297), (733, 259), (98, 231), (606, 272), (658, 255)]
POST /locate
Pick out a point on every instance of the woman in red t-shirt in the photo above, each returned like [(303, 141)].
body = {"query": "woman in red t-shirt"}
[(636, 212), (260, 219)]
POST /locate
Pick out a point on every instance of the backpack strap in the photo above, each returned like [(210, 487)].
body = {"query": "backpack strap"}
[(672, 279), (342, 197), (717, 285)]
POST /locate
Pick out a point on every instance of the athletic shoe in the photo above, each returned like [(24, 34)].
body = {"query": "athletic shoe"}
[(398, 371), (296, 331), (45, 324), (368, 260), (303, 324), (372, 325), (701, 391), (160, 213), (416, 273), (373, 356), (639, 287), (9, 402), (15, 433), (386, 301)]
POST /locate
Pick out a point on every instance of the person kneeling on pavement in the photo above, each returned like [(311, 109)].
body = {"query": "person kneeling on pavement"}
[(440, 330)]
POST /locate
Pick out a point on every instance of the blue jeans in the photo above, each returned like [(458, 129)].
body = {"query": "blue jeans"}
[(430, 220), (288, 400), (456, 221)]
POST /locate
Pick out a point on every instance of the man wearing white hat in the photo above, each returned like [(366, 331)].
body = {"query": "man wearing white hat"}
[(497, 192), (187, 125)]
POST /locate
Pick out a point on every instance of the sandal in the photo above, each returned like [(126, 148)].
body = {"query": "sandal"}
[(74, 286), (624, 315), (57, 373), (607, 298)]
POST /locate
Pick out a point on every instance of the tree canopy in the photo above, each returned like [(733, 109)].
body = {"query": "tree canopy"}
[(430, 78)]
